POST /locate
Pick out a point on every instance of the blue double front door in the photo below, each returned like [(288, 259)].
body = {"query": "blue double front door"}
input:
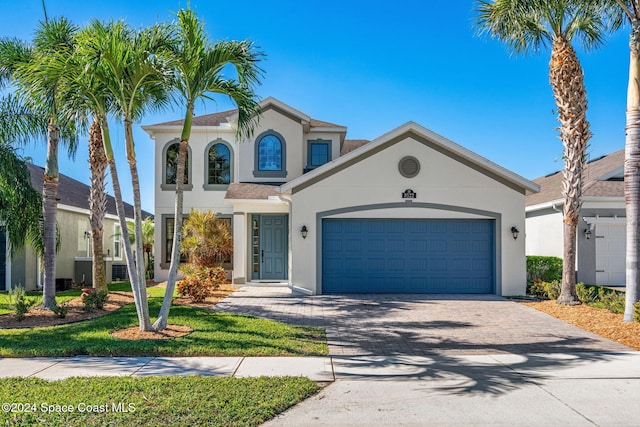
[(270, 251), (408, 256)]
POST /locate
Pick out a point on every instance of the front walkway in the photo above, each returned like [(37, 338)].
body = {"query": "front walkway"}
[(418, 325)]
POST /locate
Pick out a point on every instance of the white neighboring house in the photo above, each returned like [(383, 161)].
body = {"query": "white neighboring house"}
[(409, 212), (602, 229)]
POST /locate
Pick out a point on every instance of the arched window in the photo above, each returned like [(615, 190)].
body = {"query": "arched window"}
[(218, 165), (270, 155), (170, 163)]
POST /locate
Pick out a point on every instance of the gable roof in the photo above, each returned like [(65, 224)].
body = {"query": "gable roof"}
[(229, 116), (74, 193), (427, 137), (597, 181), (351, 144)]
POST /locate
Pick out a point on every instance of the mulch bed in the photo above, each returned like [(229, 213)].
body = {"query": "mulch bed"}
[(37, 317), (596, 320)]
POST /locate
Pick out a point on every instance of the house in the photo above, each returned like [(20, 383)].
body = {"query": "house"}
[(73, 261), (409, 212), (602, 229)]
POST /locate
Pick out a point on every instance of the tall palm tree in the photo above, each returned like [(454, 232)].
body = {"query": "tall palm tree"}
[(129, 65), (198, 69), (148, 237), (97, 202), (20, 203), (37, 80), (629, 11), (529, 25)]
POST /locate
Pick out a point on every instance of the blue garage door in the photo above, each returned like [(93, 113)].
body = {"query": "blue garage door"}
[(408, 256)]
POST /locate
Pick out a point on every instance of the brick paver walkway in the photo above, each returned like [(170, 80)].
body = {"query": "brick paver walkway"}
[(409, 324)]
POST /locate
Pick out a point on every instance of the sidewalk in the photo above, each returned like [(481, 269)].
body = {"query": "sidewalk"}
[(559, 389)]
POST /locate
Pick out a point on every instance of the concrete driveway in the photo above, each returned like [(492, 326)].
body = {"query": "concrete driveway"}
[(419, 325)]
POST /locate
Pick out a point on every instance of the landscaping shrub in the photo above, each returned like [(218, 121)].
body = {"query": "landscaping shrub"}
[(586, 294), (636, 312), (614, 302), (21, 304), (200, 282), (544, 268), (61, 310), (95, 298), (542, 289)]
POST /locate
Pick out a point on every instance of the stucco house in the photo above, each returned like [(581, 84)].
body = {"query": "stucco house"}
[(602, 229), (73, 262), (409, 212)]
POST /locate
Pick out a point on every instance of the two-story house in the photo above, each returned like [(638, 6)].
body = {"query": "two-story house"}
[(407, 212)]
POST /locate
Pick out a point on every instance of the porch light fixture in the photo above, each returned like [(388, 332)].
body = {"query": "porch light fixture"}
[(587, 233), (515, 232), (304, 231)]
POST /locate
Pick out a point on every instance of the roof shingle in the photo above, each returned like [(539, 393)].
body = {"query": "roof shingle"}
[(551, 185)]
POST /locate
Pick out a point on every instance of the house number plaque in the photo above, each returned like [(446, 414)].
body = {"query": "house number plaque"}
[(409, 194)]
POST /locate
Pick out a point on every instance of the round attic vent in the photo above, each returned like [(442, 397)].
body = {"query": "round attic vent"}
[(409, 167)]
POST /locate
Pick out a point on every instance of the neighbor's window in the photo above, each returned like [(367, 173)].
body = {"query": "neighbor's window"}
[(219, 164), (117, 241), (171, 165)]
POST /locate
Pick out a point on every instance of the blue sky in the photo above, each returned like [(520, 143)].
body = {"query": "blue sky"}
[(371, 67)]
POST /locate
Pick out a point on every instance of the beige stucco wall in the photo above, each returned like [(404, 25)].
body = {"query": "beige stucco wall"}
[(545, 234), (442, 180)]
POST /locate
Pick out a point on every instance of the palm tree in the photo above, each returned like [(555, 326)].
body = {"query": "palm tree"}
[(129, 65), (20, 203), (207, 240), (37, 75), (97, 202), (148, 237), (198, 74), (629, 11), (529, 25)]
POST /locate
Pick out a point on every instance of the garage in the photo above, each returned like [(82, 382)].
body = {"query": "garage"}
[(408, 256), (611, 249)]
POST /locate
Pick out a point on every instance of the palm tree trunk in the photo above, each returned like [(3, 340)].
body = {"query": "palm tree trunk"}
[(97, 202), (567, 81), (142, 307), (49, 213), (140, 285), (632, 174), (161, 321)]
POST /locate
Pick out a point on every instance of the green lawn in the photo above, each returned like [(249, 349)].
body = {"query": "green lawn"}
[(158, 401), (215, 334)]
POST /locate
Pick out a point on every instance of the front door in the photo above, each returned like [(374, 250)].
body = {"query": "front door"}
[(272, 247)]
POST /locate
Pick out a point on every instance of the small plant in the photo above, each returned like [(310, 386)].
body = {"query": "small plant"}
[(586, 294), (200, 282), (614, 302), (94, 298), (61, 310), (636, 311), (21, 303), (552, 289)]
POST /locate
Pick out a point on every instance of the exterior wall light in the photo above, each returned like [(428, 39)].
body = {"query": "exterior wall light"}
[(587, 233), (515, 232), (304, 231)]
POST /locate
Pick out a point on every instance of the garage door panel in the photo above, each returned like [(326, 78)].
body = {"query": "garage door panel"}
[(410, 255)]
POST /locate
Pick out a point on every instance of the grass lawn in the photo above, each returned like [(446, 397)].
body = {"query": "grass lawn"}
[(215, 334), (160, 401)]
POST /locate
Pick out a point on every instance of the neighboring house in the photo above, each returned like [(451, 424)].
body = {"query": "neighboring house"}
[(73, 262), (602, 228), (408, 212)]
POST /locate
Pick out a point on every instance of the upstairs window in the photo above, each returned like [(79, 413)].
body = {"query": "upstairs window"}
[(318, 153), (270, 155), (170, 163), (219, 166)]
